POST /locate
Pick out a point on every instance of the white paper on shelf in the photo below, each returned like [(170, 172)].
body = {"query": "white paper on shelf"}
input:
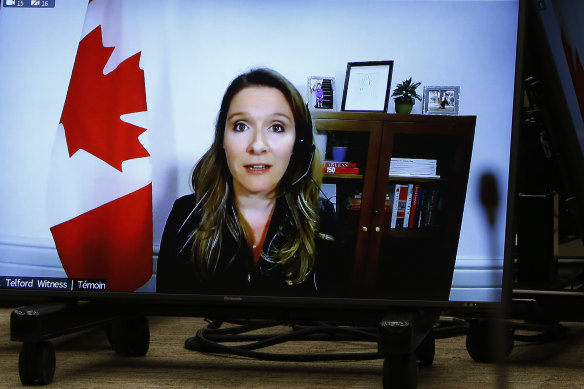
[(414, 175)]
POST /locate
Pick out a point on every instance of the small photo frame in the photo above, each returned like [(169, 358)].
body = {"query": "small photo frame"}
[(321, 93), (441, 100), (367, 86)]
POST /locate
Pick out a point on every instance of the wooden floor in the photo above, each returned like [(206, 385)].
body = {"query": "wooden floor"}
[(86, 360)]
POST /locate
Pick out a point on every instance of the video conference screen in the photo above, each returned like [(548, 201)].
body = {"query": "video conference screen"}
[(106, 107)]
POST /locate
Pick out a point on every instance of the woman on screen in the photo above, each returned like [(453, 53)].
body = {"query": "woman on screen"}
[(255, 219)]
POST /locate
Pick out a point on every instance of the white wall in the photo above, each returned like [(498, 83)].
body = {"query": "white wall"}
[(190, 52)]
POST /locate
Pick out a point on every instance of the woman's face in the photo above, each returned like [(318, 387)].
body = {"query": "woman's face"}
[(259, 138)]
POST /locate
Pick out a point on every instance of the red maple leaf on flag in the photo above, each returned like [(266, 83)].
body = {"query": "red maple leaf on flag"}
[(94, 103)]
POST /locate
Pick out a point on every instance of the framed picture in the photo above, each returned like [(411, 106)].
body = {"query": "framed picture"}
[(441, 100), (321, 93), (367, 86)]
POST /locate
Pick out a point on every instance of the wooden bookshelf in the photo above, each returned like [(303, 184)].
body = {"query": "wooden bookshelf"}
[(398, 262)]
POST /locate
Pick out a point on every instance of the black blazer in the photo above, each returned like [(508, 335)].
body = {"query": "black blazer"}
[(236, 273)]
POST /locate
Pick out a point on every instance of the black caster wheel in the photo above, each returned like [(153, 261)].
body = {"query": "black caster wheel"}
[(130, 337), (488, 342), (426, 350), (36, 363), (400, 372)]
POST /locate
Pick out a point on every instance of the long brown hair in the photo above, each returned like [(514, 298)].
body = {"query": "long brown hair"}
[(299, 187)]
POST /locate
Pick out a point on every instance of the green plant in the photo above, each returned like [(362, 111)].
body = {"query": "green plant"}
[(405, 93)]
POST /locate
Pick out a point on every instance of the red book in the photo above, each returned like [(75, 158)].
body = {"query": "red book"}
[(339, 164), (340, 170), (414, 206)]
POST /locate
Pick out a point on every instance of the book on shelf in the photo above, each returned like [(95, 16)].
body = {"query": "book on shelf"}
[(387, 211), (413, 167), (340, 170), (421, 207), (355, 202), (408, 206), (429, 208), (339, 164), (413, 163), (433, 209), (399, 205), (415, 175), (414, 206)]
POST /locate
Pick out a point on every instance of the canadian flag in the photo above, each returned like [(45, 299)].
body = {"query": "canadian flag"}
[(100, 185), (570, 43)]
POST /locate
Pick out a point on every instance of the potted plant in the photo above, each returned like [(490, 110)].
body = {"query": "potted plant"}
[(404, 95)]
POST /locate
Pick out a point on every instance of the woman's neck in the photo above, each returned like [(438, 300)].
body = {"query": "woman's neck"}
[(256, 212)]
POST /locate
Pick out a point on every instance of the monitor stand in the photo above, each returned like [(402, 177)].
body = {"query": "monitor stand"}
[(403, 338), (128, 334)]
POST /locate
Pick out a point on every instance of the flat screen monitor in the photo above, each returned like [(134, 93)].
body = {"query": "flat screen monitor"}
[(555, 39), (84, 208)]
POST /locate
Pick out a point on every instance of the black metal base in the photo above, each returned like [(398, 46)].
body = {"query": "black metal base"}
[(404, 338), (35, 325)]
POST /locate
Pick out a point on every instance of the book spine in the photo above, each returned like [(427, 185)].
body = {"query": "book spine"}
[(429, 204), (433, 208), (408, 205), (414, 208), (340, 170), (339, 164), (394, 210), (355, 203), (420, 208), (400, 205), (387, 209), (436, 221)]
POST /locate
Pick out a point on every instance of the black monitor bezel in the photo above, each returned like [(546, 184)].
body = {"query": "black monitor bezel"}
[(312, 308)]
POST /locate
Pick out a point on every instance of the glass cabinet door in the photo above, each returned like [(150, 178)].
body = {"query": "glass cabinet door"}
[(349, 149), (398, 188), (418, 204)]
